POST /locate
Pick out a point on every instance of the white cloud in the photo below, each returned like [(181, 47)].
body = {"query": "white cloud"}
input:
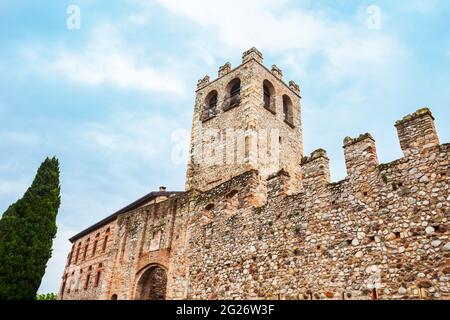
[(55, 266), (419, 6), (11, 187), (143, 136), (19, 137), (347, 47), (107, 58)]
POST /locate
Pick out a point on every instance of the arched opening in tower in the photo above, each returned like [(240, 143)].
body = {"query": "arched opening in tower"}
[(152, 284)]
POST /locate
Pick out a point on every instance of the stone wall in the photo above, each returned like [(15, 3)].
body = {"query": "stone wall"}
[(278, 230), (384, 227)]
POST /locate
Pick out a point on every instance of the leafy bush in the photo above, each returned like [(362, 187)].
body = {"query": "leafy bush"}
[(47, 296)]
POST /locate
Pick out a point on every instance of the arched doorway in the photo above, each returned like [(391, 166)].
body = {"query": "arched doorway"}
[(152, 284)]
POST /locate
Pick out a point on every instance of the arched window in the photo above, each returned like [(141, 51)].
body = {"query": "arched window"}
[(287, 110), (234, 94), (114, 297), (69, 258), (78, 252), (63, 287), (235, 89), (374, 294), (88, 278), (72, 281), (98, 275), (105, 241), (86, 247), (209, 109), (94, 247), (86, 284), (79, 280), (269, 96), (211, 100)]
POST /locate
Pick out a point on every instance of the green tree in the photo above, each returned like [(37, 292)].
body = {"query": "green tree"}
[(27, 230), (47, 296)]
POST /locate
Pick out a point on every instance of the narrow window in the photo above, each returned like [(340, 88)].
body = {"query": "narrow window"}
[(210, 108), (234, 94), (86, 284), (69, 258), (105, 241), (374, 294), (63, 285), (287, 110), (212, 103), (94, 247), (236, 90), (114, 297), (269, 95), (86, 247), (266, 97), (71, 281), (79, 280), (98, 275), (78, 253), (97, 278)]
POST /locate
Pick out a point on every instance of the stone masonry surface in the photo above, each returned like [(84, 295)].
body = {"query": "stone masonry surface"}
[(278, 229)]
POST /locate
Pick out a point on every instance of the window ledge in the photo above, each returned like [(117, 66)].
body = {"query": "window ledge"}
[(289, 123), (231, 106), (205, 119), (271, 110)]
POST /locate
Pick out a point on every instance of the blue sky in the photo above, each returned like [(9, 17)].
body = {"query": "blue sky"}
[(106, 99)]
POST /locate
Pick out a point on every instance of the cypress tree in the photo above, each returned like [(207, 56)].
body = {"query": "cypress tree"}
[(27, 230)]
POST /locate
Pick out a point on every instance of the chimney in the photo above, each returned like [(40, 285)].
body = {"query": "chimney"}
[(162, 189)]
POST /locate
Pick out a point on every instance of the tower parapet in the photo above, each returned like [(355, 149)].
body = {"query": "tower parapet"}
[(203, 82), (278, 183), (417, 132), (294, 87), (253, 53), (316, 170), (277, 72), (360, 155), (225, 69)]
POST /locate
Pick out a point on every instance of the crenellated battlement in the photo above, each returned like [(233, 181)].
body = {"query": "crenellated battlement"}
[(348, 141), (415, 115), (416, 133), (316, 170)]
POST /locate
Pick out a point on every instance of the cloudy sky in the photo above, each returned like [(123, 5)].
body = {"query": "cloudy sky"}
[(107, 98)]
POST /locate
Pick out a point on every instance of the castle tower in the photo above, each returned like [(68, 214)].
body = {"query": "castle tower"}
[(248, 118)]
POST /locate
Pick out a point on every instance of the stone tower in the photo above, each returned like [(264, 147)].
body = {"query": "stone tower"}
[(248, 118)]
